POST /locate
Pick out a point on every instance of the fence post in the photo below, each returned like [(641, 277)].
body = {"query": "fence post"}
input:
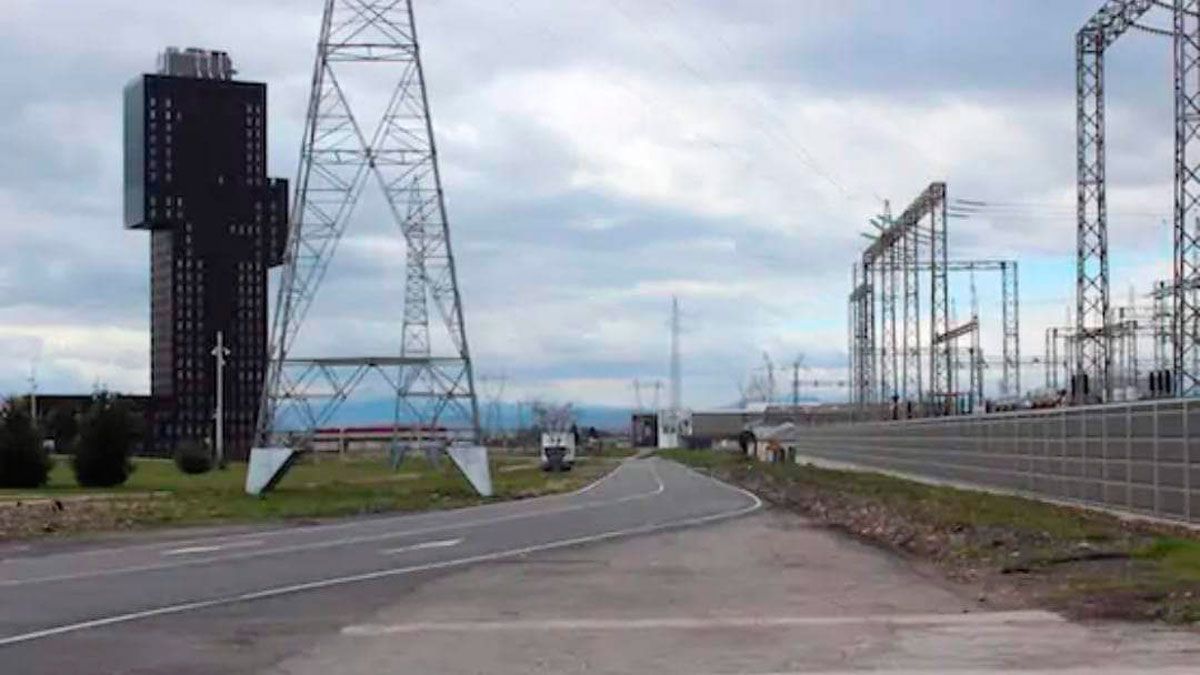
[(1103, 455), (1062, 454), (1157, 405), (1187, 463), (1016, 441), (1128, 456), (1027, 424), (1044, 427)]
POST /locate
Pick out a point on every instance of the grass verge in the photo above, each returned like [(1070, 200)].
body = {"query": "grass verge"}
[(1021, 552), (158, 494)]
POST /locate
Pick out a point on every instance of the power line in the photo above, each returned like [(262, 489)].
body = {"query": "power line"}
[(651, 103), (798, 150)]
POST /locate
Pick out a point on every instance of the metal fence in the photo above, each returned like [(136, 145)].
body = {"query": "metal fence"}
[(1141, 457)]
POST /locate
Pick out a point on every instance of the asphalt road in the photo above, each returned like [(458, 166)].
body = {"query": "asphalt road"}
[(650, 570), (243, 599)]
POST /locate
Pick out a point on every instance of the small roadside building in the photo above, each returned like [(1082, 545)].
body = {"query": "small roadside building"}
[(715, 426)]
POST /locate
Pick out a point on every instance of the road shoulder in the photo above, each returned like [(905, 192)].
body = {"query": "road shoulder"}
[(771, 592)]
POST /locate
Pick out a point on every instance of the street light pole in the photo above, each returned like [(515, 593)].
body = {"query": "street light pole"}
[(219, 353)]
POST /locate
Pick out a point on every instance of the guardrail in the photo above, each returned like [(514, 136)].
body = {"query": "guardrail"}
[(1141, 457)]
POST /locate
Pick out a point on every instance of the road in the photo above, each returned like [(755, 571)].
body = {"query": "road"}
[(59, 604), (653, 569)]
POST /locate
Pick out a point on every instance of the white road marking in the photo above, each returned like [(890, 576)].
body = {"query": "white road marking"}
[(392, 572), (333, 543), (192, 550), (702, 623), (425, 545), (590, 486), (350, 524), (1086, 670)]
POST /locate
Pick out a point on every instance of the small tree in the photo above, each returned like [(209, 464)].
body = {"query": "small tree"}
[(106, 436), (23, 461), (193, 457)]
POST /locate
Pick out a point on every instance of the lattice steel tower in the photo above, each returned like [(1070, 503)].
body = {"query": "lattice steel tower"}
[(1093, 361), (431, 376), (1186, 38)]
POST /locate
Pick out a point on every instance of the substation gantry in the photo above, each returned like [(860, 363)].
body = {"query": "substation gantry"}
[(887, 354), (1094, 331)]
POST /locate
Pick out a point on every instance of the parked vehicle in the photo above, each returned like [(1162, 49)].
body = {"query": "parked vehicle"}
[(558, 450)]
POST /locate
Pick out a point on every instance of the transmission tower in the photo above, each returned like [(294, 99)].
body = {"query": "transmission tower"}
[(1092, 356), (1186, 35), (430, 374)]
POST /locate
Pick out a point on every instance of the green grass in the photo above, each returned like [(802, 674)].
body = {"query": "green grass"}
[(1148, 570), (157, 493), (941, 506), (1180, 556)]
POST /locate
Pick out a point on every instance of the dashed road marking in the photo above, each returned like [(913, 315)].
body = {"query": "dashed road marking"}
[(330, 582), (212, 548), (425, 545), (333, 543)]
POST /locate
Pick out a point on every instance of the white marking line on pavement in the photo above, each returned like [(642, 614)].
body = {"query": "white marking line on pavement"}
[(702, 623), (1007, 670), (192, 550), (304, 529), (423, 546), (1087, 670), (334, 543), (385, 573), (590, 486)]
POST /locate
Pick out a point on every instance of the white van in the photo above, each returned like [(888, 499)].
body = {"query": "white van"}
[(558, 450)]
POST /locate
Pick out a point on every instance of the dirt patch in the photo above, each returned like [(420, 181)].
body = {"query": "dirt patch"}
[(1020, 552), (26, 518)]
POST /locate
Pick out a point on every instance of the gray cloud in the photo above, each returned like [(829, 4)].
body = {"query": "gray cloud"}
[(598, 158)]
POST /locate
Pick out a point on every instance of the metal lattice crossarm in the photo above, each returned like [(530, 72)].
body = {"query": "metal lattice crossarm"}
[(311, 391), (430, 377), (958, 331), (1114, 18)]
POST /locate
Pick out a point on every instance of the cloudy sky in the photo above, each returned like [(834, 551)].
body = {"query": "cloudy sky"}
[(599, 157)]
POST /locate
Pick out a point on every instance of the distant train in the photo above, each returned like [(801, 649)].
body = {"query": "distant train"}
[(1038, 399)]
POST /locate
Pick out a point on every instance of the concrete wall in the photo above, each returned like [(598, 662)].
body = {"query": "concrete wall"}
[(1140, 457)]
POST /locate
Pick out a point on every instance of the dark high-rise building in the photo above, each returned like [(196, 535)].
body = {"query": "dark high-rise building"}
[(195, 177)]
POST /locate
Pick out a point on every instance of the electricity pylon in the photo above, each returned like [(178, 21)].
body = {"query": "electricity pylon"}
[(430, 374)]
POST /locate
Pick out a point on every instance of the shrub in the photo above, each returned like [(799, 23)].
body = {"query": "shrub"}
[(23, 461), (193, 458), (106, 436)]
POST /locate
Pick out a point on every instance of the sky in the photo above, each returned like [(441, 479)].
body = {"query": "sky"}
[(598, 158)]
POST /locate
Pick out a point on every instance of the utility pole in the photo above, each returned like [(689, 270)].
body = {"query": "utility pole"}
[(33, 413), (975, 398), (796, 383), (769, 394), (676, 372), (796, 391), (219, 353), (33, 367)]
